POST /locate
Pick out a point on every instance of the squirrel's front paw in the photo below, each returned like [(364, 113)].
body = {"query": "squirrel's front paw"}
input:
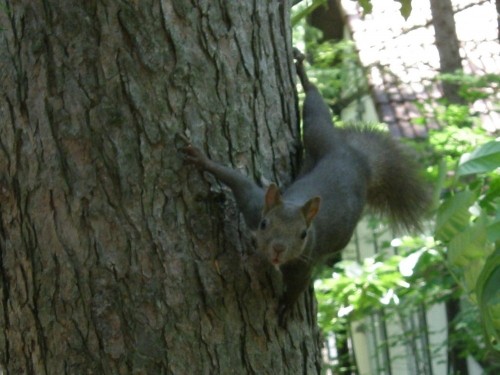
[(194, 156), (190, 153)]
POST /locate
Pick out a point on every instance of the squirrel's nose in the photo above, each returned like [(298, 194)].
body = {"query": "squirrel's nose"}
[(278, 248)]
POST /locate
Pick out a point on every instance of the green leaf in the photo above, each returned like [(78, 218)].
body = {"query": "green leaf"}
[(366, 5), (494, 231), (453, 215), (467, 253), (488, 294), (470, 243), (491, 197), (485, 158), (405, 8)]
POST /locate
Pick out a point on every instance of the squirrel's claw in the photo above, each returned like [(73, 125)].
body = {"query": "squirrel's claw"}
[(192, 154), (184, 146)]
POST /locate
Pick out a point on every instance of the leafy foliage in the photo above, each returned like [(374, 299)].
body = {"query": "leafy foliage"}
[(463, 251), (405, 9), (461, 257), (482, 160), (365, 4), (473, 87), (467, 224), (354, 291)]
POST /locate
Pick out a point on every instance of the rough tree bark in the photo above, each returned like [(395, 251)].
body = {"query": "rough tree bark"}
[(115, 258)]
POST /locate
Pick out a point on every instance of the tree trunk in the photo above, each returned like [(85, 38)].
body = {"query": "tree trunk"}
[(328, 19), (115, 257), (498, 19), (450, 61), (447, 44)]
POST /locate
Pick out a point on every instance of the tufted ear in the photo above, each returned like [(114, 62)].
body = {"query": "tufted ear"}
[(272, 198), (310, 209)]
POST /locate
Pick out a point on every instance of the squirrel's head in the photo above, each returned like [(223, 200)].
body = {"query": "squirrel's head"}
[(285, 228)]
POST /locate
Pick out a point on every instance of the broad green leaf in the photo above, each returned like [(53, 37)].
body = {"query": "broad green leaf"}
[(405, 8), (494, 231), (488, 294), (491, 198), (483, 159), (467, 253), (453, 215), (470, 243)]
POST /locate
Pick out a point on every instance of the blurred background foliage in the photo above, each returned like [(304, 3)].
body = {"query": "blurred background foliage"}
[(459, 255)]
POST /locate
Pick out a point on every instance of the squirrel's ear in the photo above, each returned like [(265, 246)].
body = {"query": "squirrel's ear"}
[(310, 209), (272, 198)]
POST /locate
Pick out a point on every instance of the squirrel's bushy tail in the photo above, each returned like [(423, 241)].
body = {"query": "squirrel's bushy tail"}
[(396, 187)]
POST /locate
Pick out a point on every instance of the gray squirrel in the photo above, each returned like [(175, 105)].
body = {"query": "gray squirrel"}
[(314, 218)]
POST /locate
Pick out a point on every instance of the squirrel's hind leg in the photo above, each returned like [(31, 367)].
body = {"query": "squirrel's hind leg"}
[(317, 118)]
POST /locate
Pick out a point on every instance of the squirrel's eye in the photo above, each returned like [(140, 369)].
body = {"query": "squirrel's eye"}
[(263, 224), (303, 234)]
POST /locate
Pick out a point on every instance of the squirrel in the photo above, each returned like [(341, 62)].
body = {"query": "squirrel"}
[(343, 170)]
